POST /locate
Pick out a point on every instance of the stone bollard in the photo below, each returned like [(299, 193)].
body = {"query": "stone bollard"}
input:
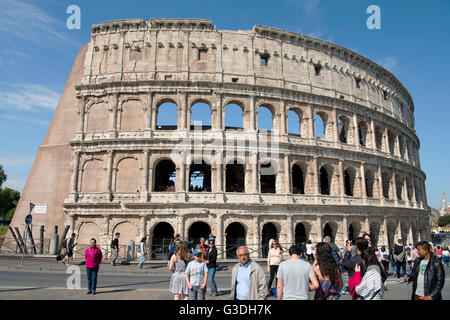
[(54, 242), (130, 251)]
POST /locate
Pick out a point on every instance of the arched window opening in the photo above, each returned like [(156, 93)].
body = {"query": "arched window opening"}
[(167, 116), (267, 178), (165, 176), (234, 117), (201, 116), (235, 238), (348, 184), (235, 177), (294, 123), (200, 177), (269, 232), (324, 182), (298, 180), (265, 118)]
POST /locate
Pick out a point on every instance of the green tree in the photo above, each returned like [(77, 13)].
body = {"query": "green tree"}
[(443, 221), (9, 199), (3, 176)]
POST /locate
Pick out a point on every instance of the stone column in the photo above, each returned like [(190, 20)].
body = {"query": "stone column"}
[(252, 126), (287, 175), (380, 183), (289, 228), (363, 182), (115, 110), (149, 122), (76, 174), (394, 187), (344, 230), (386, 143), (316, 176), (110, 173), (335, 136), (142, 231), (341, 178), (311, 132), (181, 178), (186, 113), (319, 232), (385, 230), (82, 116), (356, 131), (283, 115), (255, 244), (367, 225), (220, 236), (374, 137), (255, 181), (413, 196), (147, 183)]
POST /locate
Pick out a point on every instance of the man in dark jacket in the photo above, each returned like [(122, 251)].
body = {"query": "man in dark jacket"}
[(211, 258), (427, 274), (349, 262)]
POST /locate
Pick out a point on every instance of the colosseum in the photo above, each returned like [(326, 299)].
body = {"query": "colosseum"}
[(341, 156)]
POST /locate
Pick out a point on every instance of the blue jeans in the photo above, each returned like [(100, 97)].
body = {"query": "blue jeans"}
[(212, 282), (143, 258), (116, 255), (92, 274), (446, 260), (400, 266), (394, 266)]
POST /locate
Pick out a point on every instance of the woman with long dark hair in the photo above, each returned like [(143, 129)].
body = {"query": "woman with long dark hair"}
[(373, 276), (328, 273)]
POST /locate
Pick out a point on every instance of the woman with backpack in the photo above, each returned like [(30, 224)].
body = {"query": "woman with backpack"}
[(400, 259), (368, 279), (178, 263), (143, 252)]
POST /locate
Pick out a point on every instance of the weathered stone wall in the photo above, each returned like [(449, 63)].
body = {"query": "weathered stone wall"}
[(364, 172)]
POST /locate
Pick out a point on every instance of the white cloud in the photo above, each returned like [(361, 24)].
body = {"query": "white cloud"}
[(28, 96), (389, 63), (22, 20)]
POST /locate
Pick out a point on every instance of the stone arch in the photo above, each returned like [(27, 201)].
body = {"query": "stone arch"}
[(236, 234), (235, 176), (371, 185), (197, 230), (364, 134), (201, 114), (354, 230), (128, 230), (162, 233), (379, 141), (165, 120), (85, 231), (399, 179), (93, 176), (265, 117), (132, 114), (294, 122), (128, 175), (320, 125), (97, 116), (330, 229), (298, 179), (200, 176), (350, 181), (375, 232), (270, 230), (326, 173), (301, 235), (386, 180), (164, 175), (234, 115), (267, 175), (391, 140), (345, 130), (391, 229)]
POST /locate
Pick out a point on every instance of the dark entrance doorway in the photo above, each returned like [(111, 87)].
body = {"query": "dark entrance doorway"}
[(327, 231), (235, 238), (162, 235), (269, 231), (300, 234), (198, 230)]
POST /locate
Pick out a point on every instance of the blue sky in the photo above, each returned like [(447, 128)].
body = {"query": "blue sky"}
[(37, 52)]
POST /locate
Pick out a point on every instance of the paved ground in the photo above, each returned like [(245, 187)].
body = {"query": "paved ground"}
[(47, 280)]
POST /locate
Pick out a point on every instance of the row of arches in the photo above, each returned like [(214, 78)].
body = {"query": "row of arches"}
[(236, 234), (128, 176), (133, 112)]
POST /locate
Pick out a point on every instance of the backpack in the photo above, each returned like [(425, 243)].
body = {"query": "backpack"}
[(401, 256), (112, 244)]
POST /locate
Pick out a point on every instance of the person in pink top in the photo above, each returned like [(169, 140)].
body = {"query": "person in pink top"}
[(93, 256), (274, 258)]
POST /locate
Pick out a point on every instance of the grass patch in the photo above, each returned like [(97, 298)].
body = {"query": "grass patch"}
[(3, 231)]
